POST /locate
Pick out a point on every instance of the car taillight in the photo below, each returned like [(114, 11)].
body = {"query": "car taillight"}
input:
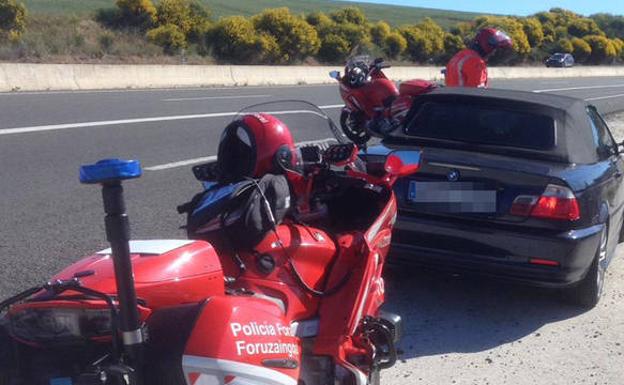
[(556, 202)]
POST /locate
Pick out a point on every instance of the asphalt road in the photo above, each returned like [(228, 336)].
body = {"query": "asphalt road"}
[(47, 219)]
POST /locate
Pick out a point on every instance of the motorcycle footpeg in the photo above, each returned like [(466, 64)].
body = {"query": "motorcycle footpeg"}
[(382, 335)]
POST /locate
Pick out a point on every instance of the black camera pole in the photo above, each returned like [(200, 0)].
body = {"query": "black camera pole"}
[(110, 173)]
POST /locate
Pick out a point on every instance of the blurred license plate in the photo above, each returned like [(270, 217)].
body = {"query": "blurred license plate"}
[(61, 381), (451, 197)]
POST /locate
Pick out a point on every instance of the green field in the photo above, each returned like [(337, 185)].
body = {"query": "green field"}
[(395, 15)]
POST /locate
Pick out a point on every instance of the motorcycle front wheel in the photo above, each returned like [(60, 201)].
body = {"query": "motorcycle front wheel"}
[(353, 124)]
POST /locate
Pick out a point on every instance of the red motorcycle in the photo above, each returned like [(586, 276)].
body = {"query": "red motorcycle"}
[(373, 103), (299, 306)]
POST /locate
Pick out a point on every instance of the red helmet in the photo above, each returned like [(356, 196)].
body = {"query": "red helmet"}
[(490, 39), (253, 146)]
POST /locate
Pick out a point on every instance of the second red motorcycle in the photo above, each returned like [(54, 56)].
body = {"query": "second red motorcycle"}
[(374, 105)]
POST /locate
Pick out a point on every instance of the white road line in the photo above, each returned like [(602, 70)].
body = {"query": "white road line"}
[(606, 97), (181, 163), (54, 127), (621, 85), (206, 159), (216, 97), (207, 88)]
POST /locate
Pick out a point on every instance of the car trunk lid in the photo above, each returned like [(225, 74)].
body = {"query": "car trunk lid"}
[(472, 185)]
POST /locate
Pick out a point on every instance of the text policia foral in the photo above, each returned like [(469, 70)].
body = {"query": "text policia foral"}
[(254, 329)]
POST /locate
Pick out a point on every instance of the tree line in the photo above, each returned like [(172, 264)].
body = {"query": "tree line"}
[(277, 36)]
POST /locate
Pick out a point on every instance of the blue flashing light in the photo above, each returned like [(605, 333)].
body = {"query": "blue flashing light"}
[(109, 170)]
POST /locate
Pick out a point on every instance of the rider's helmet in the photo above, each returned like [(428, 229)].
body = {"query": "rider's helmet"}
[(255, 145), (488, 40)]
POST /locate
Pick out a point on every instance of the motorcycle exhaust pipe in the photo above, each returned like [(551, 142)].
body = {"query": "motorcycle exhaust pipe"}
[(110, 173)]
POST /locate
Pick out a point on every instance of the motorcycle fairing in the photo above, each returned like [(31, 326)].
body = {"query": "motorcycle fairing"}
[(363, 294), (372, 95), (242, 338)]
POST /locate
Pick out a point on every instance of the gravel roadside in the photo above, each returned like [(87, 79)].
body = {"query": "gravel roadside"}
[(461, 330)]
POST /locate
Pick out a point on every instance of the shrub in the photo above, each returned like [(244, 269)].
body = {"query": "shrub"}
[(352, 15), (563, 45), (334, 49), (268, 48), (582, 27), (295, 39), (612, 25), (416, 43), (452, 45), (394, 44), (12, 20), (136, 13), (580, 49), (356, 35), (200, 22), (175, 12), (425, 40), (533, 31), (602, 49), (619, 47), (379, 31), (462, 29), (234, 39), (319, 20), (168, 36)]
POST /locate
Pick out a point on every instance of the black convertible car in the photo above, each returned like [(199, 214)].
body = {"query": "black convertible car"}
[(517, 185)]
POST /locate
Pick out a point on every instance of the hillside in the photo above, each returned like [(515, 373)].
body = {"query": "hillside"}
[(395, 15)]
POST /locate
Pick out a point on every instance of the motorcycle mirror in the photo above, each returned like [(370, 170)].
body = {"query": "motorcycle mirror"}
[(335, 75), (207, 172), (402, 163)]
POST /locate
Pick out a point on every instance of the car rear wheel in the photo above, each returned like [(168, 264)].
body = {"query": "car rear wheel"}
[(588, 292)]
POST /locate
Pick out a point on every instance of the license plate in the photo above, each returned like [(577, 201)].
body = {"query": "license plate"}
[(61, 381), (451, 197)]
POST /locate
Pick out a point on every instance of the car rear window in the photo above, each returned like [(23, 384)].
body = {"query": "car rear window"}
[(483, 125)]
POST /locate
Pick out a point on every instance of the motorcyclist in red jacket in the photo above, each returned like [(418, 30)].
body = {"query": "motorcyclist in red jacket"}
[(468, 67)]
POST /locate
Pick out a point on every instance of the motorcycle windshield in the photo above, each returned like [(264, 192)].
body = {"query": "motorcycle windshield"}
[(307, 122)]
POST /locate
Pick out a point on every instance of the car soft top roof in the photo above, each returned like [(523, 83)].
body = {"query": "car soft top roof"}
[(573, 131)]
